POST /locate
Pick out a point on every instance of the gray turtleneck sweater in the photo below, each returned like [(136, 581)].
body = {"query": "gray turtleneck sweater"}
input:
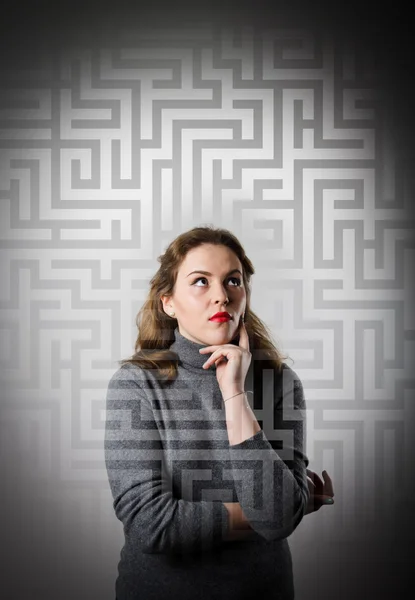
[(171, 468)]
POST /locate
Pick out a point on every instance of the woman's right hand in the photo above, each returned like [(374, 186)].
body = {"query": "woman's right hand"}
[(320, 492)]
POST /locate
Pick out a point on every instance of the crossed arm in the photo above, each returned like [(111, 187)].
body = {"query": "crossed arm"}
[(271, 480)]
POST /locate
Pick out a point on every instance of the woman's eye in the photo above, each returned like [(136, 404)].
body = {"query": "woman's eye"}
[(238, 281)]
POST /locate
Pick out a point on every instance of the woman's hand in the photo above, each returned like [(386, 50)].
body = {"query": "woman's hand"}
[(231, 374), (320, 493)]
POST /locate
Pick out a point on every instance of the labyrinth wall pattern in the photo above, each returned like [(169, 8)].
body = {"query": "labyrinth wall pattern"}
[(109, 152)]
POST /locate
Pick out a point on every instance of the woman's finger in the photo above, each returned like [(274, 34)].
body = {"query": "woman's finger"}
[(316, 480), (213, 358), (328, 484), (311, 487), (243, 336), (326, 499), (219, 354)]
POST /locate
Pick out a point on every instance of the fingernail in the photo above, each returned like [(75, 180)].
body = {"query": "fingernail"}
[(328, 501)]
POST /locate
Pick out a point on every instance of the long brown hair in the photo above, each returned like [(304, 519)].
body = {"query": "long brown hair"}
[(156, 328)]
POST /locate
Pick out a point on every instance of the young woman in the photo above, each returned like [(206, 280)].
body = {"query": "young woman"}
[(208, 479)]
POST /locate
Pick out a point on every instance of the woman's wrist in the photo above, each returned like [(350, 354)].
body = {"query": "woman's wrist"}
[(236, 397), (240, 419), (227, 397), (230, 391)]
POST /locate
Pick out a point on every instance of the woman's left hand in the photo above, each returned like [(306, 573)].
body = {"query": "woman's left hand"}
[(320, 492), (231, 375)]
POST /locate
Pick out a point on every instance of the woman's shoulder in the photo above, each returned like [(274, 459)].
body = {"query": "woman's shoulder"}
[(289, 373), (128, 371), (290, 385), (137, 375), (282, 383)]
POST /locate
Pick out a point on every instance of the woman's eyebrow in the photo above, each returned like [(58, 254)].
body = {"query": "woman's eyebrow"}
[(207, 272)]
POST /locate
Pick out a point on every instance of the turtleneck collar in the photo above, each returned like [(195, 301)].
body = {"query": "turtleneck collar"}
[(188, 351)]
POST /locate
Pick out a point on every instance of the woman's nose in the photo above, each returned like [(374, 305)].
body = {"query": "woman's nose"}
[(221, 294)]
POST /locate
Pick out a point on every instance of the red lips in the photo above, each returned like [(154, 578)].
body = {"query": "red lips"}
[(221, 315)]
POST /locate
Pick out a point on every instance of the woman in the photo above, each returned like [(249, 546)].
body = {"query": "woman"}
[(207, 484)]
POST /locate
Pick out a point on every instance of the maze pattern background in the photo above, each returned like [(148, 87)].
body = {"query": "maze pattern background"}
[(107, 153)]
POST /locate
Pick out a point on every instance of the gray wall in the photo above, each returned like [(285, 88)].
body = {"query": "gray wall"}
[(116, 136)]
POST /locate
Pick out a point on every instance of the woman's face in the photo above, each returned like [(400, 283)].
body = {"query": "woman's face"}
[(198, 296)]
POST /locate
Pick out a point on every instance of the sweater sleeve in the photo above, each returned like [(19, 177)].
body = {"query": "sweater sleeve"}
[(270, 474), (154, 521)]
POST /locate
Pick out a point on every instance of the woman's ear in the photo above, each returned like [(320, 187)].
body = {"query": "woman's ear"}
[(164, 301)]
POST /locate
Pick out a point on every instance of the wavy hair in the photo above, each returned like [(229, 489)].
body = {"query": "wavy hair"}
[(156, 328)]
